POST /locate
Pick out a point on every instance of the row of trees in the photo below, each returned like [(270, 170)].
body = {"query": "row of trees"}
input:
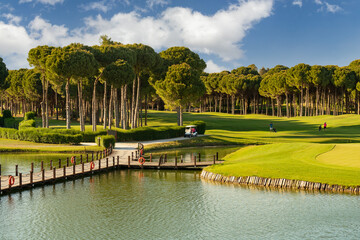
[(302, 90), (128, 74), (112, 83)]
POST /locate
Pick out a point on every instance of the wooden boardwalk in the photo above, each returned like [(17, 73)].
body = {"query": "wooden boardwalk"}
[(112, 160)]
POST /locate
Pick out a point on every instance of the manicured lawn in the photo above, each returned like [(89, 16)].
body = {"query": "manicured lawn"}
[(299, 161)]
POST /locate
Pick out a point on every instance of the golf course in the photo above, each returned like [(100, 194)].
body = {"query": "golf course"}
[(298, 150)]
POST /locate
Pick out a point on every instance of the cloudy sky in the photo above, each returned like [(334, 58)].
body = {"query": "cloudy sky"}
[(225, 33)]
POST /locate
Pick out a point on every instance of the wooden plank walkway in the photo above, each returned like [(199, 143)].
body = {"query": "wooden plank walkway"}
[(114, 159)]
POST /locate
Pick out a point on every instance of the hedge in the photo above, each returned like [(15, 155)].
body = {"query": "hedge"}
[(29, 116), (105, 140), (149, 133), (27, 124)]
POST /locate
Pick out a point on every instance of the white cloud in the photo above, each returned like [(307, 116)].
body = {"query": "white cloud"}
[(12, 19), (332, 8), (319, 2), (50, 2), (219, 34), (152, 3), (297, 2), (101, 6), (212, 67)]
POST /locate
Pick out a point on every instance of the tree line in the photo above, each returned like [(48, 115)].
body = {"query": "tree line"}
[(113, 83)]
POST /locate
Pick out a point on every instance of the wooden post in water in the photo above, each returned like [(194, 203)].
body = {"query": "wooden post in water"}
[(199, 157), (59, 163), (118, 160), (51, 165), (82, 168), (42, 165), (16, 170), (150, 157), (181, 158), (113, 161), (64, 171), (128, 161), (107, 163), (214, 159), (32, 167), (43, 175), (20, 180), (175, 162), (31, 177), (74, 165), (99, 164), (194, 161), (54, 173)]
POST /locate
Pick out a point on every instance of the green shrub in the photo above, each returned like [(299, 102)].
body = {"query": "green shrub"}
[(149, 133), (106, 140), (7, 114), (29, 116), (27, 124), (200, 126), (89, 136), (11, 123)]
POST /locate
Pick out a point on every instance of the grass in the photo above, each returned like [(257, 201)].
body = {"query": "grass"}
[(298, 161), (9, 145)]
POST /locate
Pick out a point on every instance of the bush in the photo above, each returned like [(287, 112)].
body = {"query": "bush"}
[(29, 116), (11, 123), (89, 136), (7, 114), (149, 133), (27, 124), (106, 140), (200, 126)]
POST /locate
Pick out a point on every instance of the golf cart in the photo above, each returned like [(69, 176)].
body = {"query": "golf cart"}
[(190, 131)]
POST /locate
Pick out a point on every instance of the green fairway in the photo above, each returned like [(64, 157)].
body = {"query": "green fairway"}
[(290, 161)]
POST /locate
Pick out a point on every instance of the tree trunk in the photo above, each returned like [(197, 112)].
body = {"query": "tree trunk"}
[(301, 101), (220, 103), (233, 104), (116, 106), (94, 107), (111, 106), (227, 103), (104, 105), (181, 115), (81, 113), (178, 116), (287, 104), (43, 123), (146, 108), (67, 103), (132, 116), (272, 107)]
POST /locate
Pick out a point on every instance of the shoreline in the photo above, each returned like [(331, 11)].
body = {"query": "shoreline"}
[(280, 183)]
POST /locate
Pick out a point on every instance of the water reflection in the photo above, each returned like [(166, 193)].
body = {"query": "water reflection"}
[(151, 204)]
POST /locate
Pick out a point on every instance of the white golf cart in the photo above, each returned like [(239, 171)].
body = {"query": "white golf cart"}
[(190, 131)]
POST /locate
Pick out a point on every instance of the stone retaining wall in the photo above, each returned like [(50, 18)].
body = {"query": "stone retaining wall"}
[(278, 183)]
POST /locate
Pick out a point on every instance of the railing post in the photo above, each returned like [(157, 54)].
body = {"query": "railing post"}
[(165, 159), (74, 165), (82, 168), (42, 165), (199, 157), (181, 158), (32, 167), (194, 161), (51, 164), (128, 161), (64, 171), (67, 161), (113, 162), (175, 162), (214, 159), (31, 177), (217, 156), (107, 163), (43, 175), (99, 164), (20, 180), (118, 160), (16, 170), (54, 173), (132, 156)]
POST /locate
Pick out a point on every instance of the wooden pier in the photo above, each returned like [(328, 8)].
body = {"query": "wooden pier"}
[(109, 160)]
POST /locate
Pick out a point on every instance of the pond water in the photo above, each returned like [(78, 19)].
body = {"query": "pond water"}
[(158, 204), (24, 160), (164, 204)]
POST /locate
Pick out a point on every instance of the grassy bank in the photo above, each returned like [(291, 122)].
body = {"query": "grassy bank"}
[(300, 161)]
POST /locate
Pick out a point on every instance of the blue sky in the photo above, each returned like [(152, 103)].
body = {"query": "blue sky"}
[(225, 33)]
